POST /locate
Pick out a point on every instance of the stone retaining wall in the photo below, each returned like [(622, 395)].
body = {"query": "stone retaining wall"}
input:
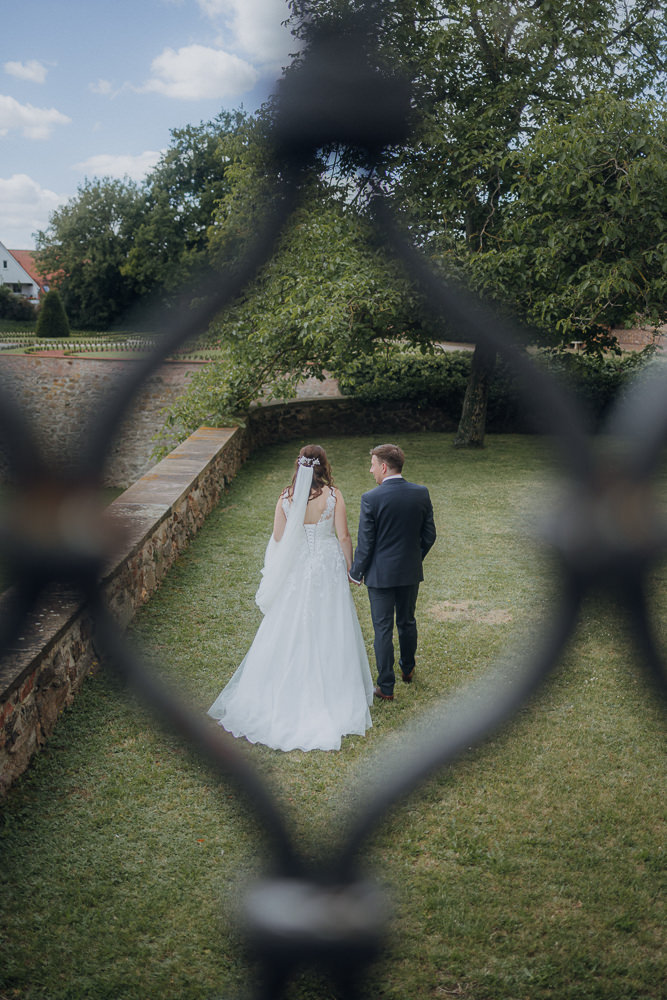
[(306, 419), (157, 518), (60, 394)]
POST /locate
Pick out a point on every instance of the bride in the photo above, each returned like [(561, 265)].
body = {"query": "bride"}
[(305, 681)]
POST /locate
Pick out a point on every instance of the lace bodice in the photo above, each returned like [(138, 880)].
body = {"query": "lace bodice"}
[(325, 525), (323, 547)]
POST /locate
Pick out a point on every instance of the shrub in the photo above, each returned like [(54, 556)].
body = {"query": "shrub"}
[(440, 380), (16, 307), (597, 382), (424, 379), (52, 319)]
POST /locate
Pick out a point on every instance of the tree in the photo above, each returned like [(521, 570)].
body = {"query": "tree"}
[(118, 242), (485, 79), (52, 318), (181, 195), (581, 248), (85, 247), (327, 295)]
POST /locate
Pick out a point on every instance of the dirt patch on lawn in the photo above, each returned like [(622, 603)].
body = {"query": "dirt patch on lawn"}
[(473, 611)]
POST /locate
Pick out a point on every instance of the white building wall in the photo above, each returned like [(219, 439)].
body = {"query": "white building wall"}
[(18, 279)]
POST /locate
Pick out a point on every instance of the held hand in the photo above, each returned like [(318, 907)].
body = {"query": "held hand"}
[(357, 583)]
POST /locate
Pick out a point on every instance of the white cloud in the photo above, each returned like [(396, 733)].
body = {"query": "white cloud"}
[(197, 72), (256, 28), (118, 165), (32, 70), (25, 207), (34, 123), (101, 87)]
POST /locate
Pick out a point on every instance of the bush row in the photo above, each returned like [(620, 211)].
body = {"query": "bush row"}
[(16, 307), (440, 380)]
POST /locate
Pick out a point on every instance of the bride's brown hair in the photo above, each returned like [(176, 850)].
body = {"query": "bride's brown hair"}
[(322, 475)]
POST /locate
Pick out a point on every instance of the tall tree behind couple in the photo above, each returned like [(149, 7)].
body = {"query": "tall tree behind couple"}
[(305, 681)]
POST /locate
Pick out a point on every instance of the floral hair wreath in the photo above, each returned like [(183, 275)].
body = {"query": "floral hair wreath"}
[(303, 460)]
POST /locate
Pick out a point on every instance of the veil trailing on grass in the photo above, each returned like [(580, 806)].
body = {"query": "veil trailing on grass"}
[(281, 557)]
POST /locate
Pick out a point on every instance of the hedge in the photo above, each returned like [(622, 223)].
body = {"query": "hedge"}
[(440, 380)]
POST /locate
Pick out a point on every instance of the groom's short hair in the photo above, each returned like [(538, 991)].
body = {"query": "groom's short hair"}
[(391, 455)]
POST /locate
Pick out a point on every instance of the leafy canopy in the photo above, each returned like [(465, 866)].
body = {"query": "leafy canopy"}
[(85, 247), (486, 79), (582, 244), (328, 295), (181, 195), (117, 242)]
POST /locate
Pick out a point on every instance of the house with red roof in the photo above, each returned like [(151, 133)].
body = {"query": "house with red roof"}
[(19, 272)]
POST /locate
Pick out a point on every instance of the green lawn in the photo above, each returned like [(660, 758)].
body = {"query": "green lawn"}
[(533, 869)]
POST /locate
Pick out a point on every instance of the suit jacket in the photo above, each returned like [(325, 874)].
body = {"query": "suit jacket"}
[(396, 530)]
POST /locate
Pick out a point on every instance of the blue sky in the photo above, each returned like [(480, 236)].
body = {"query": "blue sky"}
[(93, 89)]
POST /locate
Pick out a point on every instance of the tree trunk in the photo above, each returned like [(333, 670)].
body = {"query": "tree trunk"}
[(472, 425)]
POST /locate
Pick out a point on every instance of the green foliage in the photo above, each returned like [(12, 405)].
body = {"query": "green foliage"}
[(180, 198), (582, 246), (117, 242), (598, 382), (221, 392), (328, 295), (15, 307), (52, 319), (440, 380), (84, 248), (251, 175), (437, 379), (486, 77)]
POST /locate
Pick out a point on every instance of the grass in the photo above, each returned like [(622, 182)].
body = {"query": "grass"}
[(533, 869)]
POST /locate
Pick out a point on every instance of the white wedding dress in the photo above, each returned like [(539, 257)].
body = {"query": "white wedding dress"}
[(305, 681)]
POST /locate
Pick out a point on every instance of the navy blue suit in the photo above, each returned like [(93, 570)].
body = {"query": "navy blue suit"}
[(396, 530)]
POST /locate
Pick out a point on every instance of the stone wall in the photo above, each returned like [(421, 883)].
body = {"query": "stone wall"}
[(156, 519), (61, 394), (305, 419)]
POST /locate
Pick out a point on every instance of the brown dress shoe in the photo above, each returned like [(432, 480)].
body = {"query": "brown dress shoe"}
[(407, 678), (380, 694)]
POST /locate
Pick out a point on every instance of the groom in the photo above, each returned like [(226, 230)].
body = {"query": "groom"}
[(396, 530)]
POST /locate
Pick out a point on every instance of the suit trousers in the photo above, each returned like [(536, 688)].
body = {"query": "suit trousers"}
[(385, 602)]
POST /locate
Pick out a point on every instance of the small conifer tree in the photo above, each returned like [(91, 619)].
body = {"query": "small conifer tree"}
[(52, 319)]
